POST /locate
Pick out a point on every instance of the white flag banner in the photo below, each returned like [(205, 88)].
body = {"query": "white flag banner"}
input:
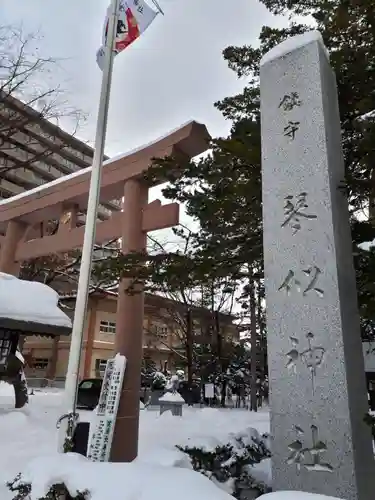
[(134, 17)]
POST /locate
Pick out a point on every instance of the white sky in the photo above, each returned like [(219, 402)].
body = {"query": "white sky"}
[(172, 74)]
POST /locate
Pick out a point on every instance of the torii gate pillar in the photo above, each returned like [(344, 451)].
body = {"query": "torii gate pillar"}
[(130, 314), (14, 234)]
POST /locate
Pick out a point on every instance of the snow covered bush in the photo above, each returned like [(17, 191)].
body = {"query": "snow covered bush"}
[(230, 465), (56, 492), (159, 381)]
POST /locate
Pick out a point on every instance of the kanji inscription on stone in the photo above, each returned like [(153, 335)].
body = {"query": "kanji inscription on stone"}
[(290, 281), (291, 129), (290, 101), (316, 381), (312, 357), (295, 210), (306, 456)]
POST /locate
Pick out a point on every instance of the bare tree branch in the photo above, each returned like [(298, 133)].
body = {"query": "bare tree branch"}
[(203, 298), (28, 96)]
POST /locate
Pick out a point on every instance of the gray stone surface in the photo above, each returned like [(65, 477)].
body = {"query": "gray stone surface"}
[(173, 406), (317, 381), (155, 396)]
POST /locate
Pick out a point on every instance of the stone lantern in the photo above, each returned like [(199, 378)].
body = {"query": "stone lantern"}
[(26, 309)]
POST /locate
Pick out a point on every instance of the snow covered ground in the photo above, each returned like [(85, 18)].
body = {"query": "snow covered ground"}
[(28, 440), (30, 433)]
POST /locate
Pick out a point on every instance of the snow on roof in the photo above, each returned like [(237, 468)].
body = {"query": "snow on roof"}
[(172, 397), (293, 43), (86, 170), (30, 301)]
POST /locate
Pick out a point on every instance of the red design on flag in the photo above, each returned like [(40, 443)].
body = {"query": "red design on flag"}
[(131, 34), (133, 18), (126, 33)]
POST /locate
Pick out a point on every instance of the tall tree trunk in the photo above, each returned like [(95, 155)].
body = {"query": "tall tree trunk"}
[(52, 366), (372, 198), (262, 333), (189, 351), (254, 349), (219, 342)]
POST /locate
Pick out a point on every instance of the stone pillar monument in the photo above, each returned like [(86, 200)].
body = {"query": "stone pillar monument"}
[(317, 382)]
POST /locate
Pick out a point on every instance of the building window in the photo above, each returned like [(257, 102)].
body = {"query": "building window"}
[(160, 331), (163, 331), (100, 365), (40, 363), (107, 327)]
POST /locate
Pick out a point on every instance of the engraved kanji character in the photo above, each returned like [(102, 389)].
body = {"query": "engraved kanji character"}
[(313, 272), (288, 282), (312, 357), (293, 355), (293, 211), (291, 129), (289, 101), (299, 453)]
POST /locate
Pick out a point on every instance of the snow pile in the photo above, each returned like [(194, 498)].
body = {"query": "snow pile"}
[(29, 433), (291, 44), (205, 428), (166, 458), (30, 301), (366, 245), (208, 427), (118, 481), (172, 397), (6, 392), (296, 495)]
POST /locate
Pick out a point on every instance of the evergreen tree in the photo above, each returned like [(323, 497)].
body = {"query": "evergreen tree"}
[(223, 191), (148, 369)]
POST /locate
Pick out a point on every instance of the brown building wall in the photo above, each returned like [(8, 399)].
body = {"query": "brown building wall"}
[(51, 361)]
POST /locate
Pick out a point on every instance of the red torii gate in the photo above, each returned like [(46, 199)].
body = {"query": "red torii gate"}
[(122, 177)]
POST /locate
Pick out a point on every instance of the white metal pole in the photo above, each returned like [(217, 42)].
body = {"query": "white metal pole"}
[(71, 383)]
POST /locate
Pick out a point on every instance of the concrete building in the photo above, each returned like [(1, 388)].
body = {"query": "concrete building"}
[(34, 151), (164, 338)]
